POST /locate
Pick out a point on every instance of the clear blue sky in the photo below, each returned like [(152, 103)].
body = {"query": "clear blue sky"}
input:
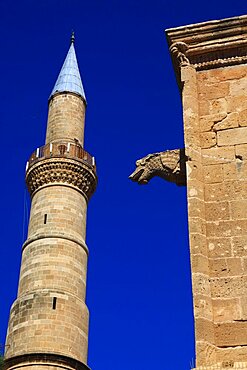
[(139, 292)]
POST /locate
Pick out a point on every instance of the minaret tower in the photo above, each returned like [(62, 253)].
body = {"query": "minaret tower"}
[(48, 325)]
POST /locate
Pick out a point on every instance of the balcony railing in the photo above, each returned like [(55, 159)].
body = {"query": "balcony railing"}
[(61, 150)]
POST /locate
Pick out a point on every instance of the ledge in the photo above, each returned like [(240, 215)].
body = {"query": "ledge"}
[(210, 44)]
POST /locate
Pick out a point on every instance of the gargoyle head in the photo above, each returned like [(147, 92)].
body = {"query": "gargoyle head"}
[(169, 165), (146, 168)]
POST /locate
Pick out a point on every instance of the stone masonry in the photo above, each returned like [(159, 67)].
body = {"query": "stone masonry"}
[(210, 61), (48, 325)]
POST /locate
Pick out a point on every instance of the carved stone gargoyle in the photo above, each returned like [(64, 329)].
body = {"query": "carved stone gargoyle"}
[(169, 165)]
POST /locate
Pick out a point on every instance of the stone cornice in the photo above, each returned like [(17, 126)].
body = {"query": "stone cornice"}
[(55, 171), (210, 44)]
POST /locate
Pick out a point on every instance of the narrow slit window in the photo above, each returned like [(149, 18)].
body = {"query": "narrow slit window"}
[(45, 218), (54, 303)]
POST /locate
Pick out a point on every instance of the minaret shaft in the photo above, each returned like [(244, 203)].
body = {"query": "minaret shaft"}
[(48, 323), (64, 108)]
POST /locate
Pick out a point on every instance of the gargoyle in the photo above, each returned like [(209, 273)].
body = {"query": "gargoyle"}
[(169, 165)]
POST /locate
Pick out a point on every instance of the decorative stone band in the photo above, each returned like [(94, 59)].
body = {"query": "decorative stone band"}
[(41, 359), (210, 44), (55, 171), (182, 56), (56, 236)]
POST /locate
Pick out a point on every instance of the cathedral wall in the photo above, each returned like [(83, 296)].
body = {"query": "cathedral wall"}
[(222, 96), (202, 302)]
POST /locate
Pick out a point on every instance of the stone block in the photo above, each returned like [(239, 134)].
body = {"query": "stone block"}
[(231, 334), (201, 284), (241, 151), (213, 91), (231, 121), (195, 189), (226, 309), (197, 225), (229, 287), (238, 209), (220, 267), (219, 247), (194, 170), (236, 103), (207, 139), (200, 264), (230, 171), (204, 107), (217, 106), (243, 308), (239, 246), (236, 354), (227, 190), (205, 353), (217, 211), (196, 207), (238, 87), (204, 330), (232, 136), (226, 74), (228, 228), (198, 243), (207, 122), (203, 307), (218, 155), (213, 173), (243, 118)]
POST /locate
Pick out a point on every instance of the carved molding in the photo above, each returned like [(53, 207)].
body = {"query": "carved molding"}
[(61, 170), (210, 44)]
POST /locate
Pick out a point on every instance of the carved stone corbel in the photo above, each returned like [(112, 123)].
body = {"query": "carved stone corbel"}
[(178, 51), (169, 165)]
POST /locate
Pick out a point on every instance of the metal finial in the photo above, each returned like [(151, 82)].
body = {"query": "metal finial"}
[(72, 39)]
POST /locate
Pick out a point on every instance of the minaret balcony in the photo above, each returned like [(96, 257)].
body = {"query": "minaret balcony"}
[(61, 150), (61, 162)]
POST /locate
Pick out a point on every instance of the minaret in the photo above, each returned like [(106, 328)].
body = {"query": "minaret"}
[(48, 325)]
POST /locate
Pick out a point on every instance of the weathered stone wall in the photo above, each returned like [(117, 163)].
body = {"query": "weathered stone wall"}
[(210, 62), (222, 96), (215, 125), (66, 118), (203, 312)]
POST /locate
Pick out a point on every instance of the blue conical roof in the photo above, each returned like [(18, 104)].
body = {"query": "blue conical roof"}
[(69, 79)]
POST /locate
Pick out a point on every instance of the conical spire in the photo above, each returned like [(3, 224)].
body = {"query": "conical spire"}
[(69, 79)]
